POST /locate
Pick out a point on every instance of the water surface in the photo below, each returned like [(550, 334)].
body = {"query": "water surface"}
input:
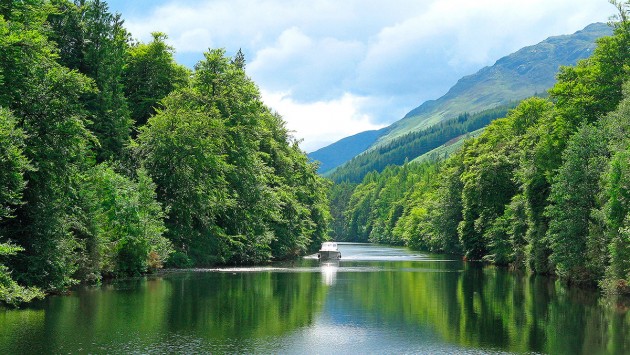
[(375, 300)]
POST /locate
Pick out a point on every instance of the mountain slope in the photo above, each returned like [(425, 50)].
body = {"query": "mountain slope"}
[(517, 76), (343, 150), (528, 71), (414, 144)]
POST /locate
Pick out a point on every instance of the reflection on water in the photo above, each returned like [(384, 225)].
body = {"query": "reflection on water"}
[(329, 271), (375, 300)]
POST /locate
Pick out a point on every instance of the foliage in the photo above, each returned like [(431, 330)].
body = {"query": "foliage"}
[(45, 99), (414, 144), (544, 188), (125, 224), (10, 292), (616, 198), (572, 198), (339, 197), (94, 42), (377, 204), (237, 188), (150, 74), (13, 164), (81, 200)]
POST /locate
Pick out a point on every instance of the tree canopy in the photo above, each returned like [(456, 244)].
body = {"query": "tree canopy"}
[(115, 160), (543, 189)]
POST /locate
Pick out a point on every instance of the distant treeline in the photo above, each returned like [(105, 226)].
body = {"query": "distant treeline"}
[(413, 145), (547, 188), (115, 160)]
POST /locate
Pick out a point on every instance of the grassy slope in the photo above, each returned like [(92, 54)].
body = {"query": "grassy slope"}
[(522, 74), (517, 76), (442, 152), (341, 151)]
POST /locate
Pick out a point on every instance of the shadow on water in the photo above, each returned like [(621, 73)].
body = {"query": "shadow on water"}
[(374, 300)]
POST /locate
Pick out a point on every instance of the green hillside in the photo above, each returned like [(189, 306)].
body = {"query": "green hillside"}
[(515, 77), (414, 144), (343, 150), (544, 189), (527, 72), (444, 151)]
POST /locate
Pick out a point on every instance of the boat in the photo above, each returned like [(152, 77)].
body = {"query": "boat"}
[(329, 251)]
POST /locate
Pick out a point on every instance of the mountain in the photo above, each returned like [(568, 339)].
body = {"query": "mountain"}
[(515, 77), (404, 148), (442, 152), (527, 72), (345, 149)]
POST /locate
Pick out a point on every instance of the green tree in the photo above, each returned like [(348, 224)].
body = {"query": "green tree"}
[(616, 198), (149, 75), (573, 197), (445, 211), (488, 186), (239, 60), (126, 224), (13, 164), (339, 196), (46, 99), (617, 212), (238, 101), (11, 292), (182, 149), (238, 188), (93, 41), (537, 152)]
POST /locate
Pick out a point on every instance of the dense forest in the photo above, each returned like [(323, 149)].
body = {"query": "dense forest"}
[(412, 145), (545, 188), (115, 160)]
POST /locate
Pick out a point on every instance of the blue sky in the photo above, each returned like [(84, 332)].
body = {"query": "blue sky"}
[(333, 68)]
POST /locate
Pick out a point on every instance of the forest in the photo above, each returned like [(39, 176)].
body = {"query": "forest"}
[(116, 161), (412, 145), (545, 189)]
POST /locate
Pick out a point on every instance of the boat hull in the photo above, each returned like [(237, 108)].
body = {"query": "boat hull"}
[(329, 255)]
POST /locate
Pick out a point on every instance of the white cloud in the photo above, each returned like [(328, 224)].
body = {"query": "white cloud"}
[(369, 59), (427, 52), (322, 63), (322, 122), (189, 41)]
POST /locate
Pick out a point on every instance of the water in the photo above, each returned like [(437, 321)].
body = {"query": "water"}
[(375, 300)]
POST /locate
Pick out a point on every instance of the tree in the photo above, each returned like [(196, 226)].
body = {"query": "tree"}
[(93, 41), (125, 223), (149, 75), (10, 292), (182, 149), (573, 197), (239, 60), (46, 100), (616, 198), (339, 196), (13, 164), (446, 212), (538, 156), (487, 185), (617, 214), (238, 189)]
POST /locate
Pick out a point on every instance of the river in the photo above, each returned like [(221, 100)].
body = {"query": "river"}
[(377, 299)]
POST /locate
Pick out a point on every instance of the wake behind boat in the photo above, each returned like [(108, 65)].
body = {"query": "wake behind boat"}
[(329, 251)]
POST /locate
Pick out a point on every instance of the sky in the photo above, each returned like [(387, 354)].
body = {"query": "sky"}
[(333, 68)]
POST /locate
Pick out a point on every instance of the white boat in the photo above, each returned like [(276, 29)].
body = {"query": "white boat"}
[(329, 251)]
